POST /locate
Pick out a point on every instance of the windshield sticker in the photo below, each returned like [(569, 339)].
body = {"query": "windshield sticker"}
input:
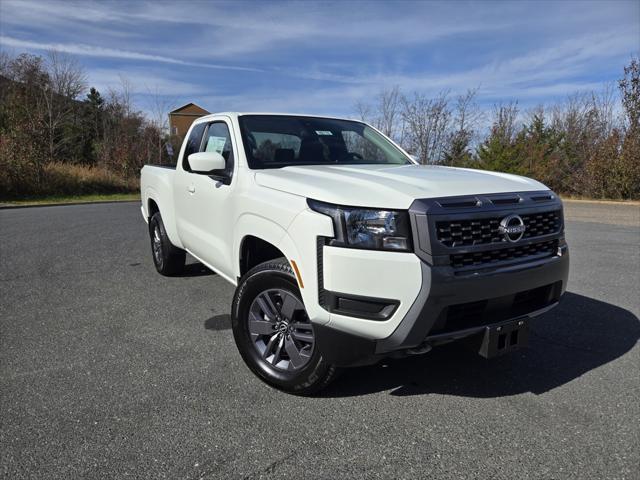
[(323, 132), (216, 144)]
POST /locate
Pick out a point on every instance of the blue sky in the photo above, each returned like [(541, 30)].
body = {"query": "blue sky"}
[(324, 57)]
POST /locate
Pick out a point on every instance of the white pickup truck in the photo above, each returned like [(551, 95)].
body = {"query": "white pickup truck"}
[(345, 251)]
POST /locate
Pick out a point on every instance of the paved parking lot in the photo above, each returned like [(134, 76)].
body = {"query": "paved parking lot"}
[(108, 370)]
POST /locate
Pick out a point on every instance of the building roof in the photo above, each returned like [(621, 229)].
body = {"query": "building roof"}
[(194, 109)]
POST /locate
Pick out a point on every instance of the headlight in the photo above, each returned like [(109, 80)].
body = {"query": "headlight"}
[(366, 227)]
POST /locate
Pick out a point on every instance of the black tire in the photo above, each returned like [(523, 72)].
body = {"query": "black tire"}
[(169, 260), (276, 279)]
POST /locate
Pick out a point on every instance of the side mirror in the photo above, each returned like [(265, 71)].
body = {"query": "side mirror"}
[(204, 162)]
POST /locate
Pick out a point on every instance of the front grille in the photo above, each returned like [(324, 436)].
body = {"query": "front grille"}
[(539, 224), (480, 231), (530, 300), (462, 315), (487, 257)]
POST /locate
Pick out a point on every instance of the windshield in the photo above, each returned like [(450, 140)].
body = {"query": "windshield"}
[(275, 141)]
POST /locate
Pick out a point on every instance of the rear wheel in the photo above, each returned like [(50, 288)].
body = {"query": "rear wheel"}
[(169, 260), (273, 332)]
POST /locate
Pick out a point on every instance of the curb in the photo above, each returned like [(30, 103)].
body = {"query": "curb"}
[(602, 202), (64, 204)]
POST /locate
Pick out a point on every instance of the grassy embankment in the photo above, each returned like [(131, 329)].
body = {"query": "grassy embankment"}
[(63, 183)]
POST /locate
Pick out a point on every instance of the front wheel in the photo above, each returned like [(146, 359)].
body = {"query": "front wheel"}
[(273, 332)]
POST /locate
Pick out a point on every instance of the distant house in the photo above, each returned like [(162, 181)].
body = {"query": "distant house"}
[(181, 118)]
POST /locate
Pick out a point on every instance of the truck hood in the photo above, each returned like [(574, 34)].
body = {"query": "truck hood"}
[(389, 186)]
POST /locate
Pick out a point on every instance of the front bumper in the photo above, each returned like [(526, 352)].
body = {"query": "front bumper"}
[(455, 306), (438, 298), (434, 317)]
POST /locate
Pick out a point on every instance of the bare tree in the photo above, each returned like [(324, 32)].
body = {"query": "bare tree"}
[(5, 63), (384, 113), (467, 116), (389, 106), (66, 75), (159, 110), (66, 82), (364, 111), (427, 121), (504, 124), (121, 96), (630, 90), (467, 113), (23, 150), (630, 152)]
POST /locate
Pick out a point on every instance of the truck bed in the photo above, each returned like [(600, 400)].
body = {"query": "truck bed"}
[(156, 182)]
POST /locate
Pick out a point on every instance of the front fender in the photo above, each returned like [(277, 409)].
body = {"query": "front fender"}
[(305, 228), (301, 238)]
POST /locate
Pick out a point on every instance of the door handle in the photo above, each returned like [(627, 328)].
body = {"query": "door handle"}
[(191, 189)]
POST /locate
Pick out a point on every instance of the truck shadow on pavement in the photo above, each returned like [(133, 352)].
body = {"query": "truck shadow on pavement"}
[(195, 269), (218, 322), (579, 335)]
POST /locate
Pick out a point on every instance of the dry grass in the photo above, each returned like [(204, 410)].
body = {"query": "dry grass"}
[(65, 179), (62, 180)]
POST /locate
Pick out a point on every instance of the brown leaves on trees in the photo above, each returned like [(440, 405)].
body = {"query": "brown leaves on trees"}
[(45, 125)]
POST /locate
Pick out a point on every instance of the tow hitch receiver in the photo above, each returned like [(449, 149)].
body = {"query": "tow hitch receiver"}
[(504, 337)]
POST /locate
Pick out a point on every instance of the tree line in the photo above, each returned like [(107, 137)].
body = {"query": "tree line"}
[(57, 137), (587, 145)]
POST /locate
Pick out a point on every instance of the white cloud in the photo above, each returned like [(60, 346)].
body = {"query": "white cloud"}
[(142, 82), (228, 29), (324, 56), (93, 51), (531, 77), (539, 69)]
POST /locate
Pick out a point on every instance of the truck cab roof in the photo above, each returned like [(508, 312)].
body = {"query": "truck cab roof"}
[(240, 114)]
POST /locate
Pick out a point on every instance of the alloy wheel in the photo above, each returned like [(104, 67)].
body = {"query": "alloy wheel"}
[(157, 245), (280, 329)]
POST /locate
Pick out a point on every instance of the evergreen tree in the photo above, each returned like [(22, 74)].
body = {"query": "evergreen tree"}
[(94, 118), (499, 150), (458, 152)]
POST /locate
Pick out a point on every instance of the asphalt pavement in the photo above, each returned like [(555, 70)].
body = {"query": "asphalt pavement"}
[(109, 370)]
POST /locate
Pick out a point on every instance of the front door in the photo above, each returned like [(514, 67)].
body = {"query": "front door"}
[(203, 207)]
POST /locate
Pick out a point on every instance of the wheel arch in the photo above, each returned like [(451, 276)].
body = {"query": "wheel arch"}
[(255, 250), (154, 204), (257, 240), (268, 232), (152, 207)]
